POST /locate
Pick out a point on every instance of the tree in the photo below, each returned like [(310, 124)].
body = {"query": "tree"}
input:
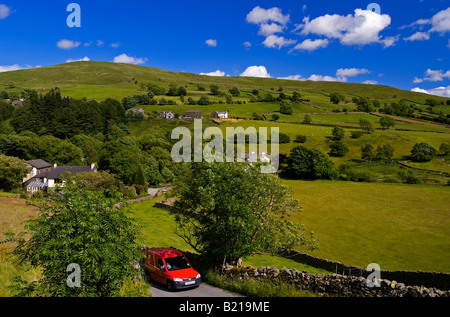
[(304, 163), (224, 230), (368, 152), (286, 107), (366, 125), (387, 122), (384, 152), (423, 152), (300, 139), (181, 91), (12, 171), (307, 119), (336, 98), (338, 149), (444, 149), (296, 96), (363, 104), (76, 226), (100, 181), (338, 133), (234, 92), (214, 89), (275, 117), (204, 101), (284, 138)]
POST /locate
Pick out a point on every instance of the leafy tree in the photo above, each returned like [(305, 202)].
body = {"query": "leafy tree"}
[(100, 181), (76, 226), (204, 101), (191, 101), (304, 163), (338, 133), (275, 117), (6, 110), (366, 125), (363, 104), (296, 96), (300, 139), (214, 89), (384, 152), (444, 149), (284, 138), (338, 149), (257, 116), (286, 107), (12, 171), (387, 122), (368, 152), (423, 152), (225, 230), (307, 119), (336, 98), (255, 92), (234, 92)]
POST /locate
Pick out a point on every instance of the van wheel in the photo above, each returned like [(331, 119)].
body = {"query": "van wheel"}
[(170, 286)]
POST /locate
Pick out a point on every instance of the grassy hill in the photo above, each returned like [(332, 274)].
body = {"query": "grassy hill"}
[(100, 80)]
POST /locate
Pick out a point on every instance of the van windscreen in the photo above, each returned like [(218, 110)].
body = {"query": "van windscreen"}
[(177, 263)]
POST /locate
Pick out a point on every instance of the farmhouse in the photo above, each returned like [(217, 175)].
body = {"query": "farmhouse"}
[(167, 114), (49, 179), (253, 157), (219, 115), (36, 167), (192, 114)]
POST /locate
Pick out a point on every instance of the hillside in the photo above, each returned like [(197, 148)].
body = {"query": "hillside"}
[(100, 80)]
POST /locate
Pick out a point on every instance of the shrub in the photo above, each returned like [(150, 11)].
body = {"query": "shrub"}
[(356, 134), (423, 152), (300, 139), (338, 149), (409, 177)]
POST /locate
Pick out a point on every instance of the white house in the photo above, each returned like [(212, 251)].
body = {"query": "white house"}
[(46, 180), (219, 115), (167, 114)]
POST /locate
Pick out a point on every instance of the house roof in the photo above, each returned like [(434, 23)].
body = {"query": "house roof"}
[(39, 164), (193, 111), (36, 184), (55, 172)]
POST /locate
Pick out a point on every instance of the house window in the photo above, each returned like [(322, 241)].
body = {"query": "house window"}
[(58, 181)]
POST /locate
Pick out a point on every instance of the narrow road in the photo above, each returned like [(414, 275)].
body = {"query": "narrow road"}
[(204, 290)]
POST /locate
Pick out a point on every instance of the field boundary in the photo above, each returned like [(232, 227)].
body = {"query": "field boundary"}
[(427, 279)]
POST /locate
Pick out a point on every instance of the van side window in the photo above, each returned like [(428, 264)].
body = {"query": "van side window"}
[(160, 263)]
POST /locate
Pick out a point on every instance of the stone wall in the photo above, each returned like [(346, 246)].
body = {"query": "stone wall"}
[(427, 279), (332, 284)]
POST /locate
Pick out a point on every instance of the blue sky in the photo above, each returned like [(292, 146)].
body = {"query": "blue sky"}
[(405, 45)]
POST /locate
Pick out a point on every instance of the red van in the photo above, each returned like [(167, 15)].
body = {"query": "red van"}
[(170, 267)]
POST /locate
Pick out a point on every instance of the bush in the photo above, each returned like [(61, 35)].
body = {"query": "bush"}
[(356, 134), (423, 152), (300, 139), (304, 163), (349, 173), (338, 149), (409, 177)]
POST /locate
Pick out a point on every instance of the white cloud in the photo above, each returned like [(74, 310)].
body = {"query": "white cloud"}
[(256, 71), (269, 29), (67, 44), (362, 28), (292, 77), (100, 43), (217, 73), (125, 59), (4, 11), (433, 75), (423, 91), (247, 44), (261, 16), (370, 82), (389, 41), (85, 59), (211, 42), (9, 68), (274, 41), (311, 45), (115, 45), (441, 21), (418, 36), (439, 91), (420, 23), (351, 72), (315, 77)]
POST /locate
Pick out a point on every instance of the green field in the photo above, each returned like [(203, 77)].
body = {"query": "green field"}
[(400, 227)]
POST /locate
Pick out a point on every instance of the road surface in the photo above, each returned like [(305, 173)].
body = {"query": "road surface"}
[(204, 290)]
